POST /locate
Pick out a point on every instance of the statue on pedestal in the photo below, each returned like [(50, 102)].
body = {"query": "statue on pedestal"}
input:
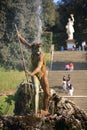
[(39, 73), (70, 28)]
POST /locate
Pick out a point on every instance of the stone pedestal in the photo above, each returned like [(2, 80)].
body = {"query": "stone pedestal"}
[(70, 44)]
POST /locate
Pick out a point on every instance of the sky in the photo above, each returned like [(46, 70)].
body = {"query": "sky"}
[(56, 0)]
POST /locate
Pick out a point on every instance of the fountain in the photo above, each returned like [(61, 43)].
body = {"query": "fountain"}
[(63, 113), (39, 22)]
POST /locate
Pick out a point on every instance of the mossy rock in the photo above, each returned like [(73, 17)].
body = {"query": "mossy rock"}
[(24, 99)]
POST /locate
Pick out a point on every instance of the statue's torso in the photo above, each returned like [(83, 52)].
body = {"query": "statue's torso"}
[(36, 59)]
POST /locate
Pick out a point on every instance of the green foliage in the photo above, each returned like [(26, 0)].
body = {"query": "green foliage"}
[(47, 55), (59, 39), (49, 13), (24, 14), (47, 40), (7, 104), (81, 37), (11, 57)]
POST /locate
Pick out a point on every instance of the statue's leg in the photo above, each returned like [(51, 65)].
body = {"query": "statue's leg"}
[(36, 88), (45, 87)]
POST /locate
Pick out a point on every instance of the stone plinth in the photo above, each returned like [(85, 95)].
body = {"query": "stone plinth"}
[(70, 44)]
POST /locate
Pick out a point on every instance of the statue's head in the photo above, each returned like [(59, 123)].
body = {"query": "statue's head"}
[(35, 46), (72, 15)]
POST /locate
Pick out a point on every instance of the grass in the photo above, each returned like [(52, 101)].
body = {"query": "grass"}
[(6, 105), (9, 80)]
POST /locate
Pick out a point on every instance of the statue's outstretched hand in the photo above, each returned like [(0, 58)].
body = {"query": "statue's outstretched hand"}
[(28, 73)]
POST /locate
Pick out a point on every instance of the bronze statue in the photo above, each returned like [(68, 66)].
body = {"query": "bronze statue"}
[(38, 68)]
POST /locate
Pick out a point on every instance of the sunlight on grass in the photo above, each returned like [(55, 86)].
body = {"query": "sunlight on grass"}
[(9, 80)]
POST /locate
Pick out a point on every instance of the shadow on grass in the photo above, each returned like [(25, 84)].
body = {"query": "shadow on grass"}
[(9, 100), (6, 104), (1, 110)]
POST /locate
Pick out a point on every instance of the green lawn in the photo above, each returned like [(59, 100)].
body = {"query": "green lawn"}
[(9, 82)]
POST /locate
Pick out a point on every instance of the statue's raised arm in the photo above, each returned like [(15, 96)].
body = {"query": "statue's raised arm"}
[(72, 16), (23, 40)]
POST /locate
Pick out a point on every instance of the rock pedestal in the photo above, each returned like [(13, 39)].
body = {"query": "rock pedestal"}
[(25, 99)]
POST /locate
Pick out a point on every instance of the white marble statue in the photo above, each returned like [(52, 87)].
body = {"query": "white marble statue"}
[(70, 28)]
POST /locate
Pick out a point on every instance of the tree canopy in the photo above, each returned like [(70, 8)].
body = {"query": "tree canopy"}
[(25, 15)]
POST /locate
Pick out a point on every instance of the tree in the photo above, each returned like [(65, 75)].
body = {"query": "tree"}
[(49, 14), (24, 14)]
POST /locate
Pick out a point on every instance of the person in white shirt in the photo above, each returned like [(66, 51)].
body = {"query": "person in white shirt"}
[(70, 89), (83, 45)]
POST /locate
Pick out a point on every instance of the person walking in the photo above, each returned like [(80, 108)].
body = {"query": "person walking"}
[(67, 67), (68, 79), (70, 89), (71, 66), (64, 83), (83, 45)]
